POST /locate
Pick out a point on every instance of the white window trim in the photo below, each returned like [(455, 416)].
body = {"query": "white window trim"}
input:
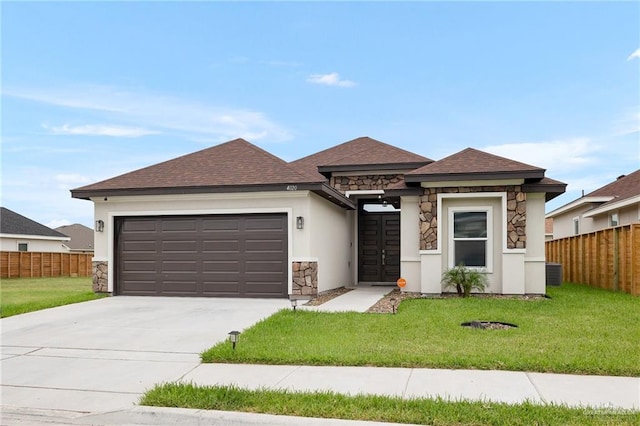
[(617, 214), (490, 237), (19, 243)]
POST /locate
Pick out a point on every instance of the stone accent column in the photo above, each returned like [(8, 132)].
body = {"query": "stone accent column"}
[(516, 218), (100, 276), (429, 220), (305, 278)]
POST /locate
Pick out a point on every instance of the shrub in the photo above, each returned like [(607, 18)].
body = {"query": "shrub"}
[(464, 280)]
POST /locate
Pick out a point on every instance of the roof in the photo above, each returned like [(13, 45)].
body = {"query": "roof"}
[(622, 192), (471, 164), (233, 163), (232, 166), (12, 223), (81, 236), (363, 153)]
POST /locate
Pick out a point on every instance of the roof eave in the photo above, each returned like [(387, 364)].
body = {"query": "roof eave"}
[(443, 177), (577, 203), (551, 190), (611, 206)]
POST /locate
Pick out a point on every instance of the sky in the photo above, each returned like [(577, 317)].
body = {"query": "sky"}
[(92, 90)]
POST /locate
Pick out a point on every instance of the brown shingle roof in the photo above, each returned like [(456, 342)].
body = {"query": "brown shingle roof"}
[(624, 187), (474, 164), (234, 163), (361, 153)]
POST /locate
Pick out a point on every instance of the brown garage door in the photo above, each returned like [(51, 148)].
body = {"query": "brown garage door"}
[(216, 255)]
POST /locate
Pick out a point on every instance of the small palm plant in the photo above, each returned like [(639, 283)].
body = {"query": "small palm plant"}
[(464, 280)]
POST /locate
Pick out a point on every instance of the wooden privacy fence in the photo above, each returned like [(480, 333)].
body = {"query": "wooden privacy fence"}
[(29, 264), (607, 259)]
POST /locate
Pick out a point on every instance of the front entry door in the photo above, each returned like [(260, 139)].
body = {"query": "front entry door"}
[(378, 245)]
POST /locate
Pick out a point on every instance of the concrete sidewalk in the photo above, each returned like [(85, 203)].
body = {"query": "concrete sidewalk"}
[(498, 386), (359, 299)]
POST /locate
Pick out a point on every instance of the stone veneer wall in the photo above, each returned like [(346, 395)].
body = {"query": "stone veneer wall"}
[(100, 276), (305, 278), (516, 214), (360, 183)]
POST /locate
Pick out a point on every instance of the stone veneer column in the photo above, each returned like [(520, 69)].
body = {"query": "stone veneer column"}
[(305, 278), (100, 276)]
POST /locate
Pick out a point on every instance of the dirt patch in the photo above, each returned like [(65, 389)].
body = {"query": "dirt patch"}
[(489, 325), (326, 296)]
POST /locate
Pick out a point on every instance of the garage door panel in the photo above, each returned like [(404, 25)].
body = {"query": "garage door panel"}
[(264, 246), (216, 255), (221, 246), (180, 246)]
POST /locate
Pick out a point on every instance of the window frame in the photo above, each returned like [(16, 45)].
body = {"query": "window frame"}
[(576, 225), (617, 221), (23, 243), (488, 210)]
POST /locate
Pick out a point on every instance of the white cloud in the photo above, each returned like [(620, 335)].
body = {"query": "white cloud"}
[(635, 54), (331, 79), (53, 224), (100, 130), (157, 112), (555, 156), (628, 124)]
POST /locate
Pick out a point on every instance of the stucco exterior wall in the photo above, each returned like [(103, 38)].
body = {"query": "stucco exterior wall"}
[(410, 242), (331, 242), (534, 260), (47, 246), (293, 203), (563, 223)]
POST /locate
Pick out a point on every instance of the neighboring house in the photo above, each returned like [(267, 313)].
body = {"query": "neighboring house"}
[(81, 237), (234, 220), (615, 204), (18, 233), (548, 229)]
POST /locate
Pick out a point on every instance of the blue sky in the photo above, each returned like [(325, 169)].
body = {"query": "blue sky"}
[(94, 90)]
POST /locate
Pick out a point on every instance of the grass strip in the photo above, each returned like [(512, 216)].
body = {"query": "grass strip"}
[(580, 330), (22, 295), (379, 408)]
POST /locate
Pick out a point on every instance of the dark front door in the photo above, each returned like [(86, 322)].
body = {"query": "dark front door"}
[(378, 245)]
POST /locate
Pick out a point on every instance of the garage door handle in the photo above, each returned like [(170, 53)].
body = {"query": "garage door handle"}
[(383, 257)]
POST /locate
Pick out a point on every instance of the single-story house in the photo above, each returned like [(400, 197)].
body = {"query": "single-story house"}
[(615, 204), (234, 220), (81, 237), (19, 233)]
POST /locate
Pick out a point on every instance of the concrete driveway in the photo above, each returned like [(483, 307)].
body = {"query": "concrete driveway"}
[(102, 355)]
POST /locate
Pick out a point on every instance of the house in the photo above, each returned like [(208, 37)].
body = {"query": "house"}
[(234, 220), (615, 204), (81, 237), (19, 233)]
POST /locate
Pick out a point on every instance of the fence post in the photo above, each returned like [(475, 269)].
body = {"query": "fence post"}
[(616, 259)]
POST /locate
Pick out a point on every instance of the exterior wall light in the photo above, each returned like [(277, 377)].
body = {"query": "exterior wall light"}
[(99, 226), (234, 337), (299, 222)]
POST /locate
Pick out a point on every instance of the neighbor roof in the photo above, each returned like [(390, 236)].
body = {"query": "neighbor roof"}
[(470, 164), (81, 236), (233, 166), (363, 153), (12, 223), (622, 188)]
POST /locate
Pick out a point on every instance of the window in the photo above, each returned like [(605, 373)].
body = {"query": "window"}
[(471, 243), (23, 246), (576, 226), (613, 219)]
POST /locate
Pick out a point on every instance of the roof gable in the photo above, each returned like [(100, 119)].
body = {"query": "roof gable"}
[(13, 223), (234, 163), (81, 236), (363, 153), (470, 164)]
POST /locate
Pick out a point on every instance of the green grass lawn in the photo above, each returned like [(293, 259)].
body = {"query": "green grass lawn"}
[(379, 408), (21, 295), (580, 330)]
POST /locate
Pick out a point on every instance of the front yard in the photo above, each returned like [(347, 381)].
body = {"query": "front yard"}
[(21, 295), (579, 330)]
